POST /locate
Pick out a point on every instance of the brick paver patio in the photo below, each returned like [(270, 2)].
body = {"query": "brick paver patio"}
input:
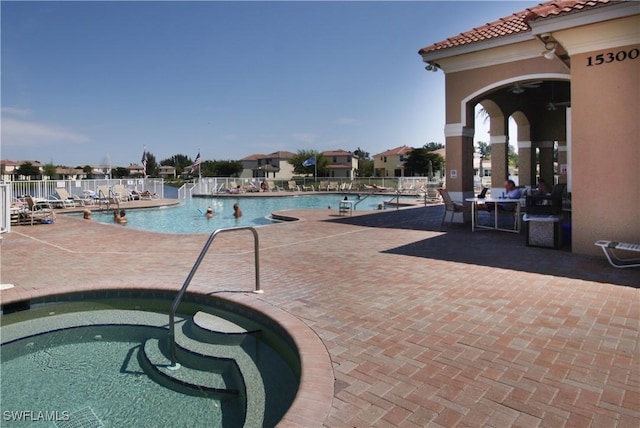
[(422, 327)]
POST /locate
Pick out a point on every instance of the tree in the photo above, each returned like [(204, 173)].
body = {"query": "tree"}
[(227, 168), (152, 165), (49, 170), (433, 146), (179, 162), (88, 169), (29, 170), (120, 172), (365, 168), (304, 155), (422, 162), (362, 155), (484, 149)]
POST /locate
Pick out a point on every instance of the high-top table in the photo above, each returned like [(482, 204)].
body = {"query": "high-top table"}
[(495, 201)]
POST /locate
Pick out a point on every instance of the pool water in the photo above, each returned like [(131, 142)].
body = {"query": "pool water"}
[(90, 374), (85, 364), (188, 216)]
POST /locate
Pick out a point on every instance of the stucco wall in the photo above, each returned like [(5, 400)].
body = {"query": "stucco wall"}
[(605, 149)]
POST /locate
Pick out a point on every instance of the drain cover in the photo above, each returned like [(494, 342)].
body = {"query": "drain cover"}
[(83, 418)]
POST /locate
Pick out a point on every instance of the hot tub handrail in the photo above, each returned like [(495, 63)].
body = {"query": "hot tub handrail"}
[(176, 301)]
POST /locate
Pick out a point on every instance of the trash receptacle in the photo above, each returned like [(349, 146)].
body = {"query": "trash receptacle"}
[(543, 230)]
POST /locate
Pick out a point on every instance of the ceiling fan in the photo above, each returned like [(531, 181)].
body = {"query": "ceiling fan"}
[(518, 88), (551, 106)]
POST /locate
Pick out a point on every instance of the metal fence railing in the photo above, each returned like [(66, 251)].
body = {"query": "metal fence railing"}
[(5, 202)]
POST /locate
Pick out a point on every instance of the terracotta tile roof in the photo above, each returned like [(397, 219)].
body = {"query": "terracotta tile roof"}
[(274, 155), (397, 151), (338, 152), (514, 23)]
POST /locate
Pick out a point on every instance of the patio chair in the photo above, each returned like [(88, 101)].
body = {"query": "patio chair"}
[(451, 206), (613, 249), (293, 186), (273, 187), (121, 193), (39, 210), (76, 200), (55, 201)]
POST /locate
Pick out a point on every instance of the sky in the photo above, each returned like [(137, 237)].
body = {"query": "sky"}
[(99, 82)]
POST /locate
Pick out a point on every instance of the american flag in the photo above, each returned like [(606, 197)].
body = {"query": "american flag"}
[(196, 163), (144, 163)]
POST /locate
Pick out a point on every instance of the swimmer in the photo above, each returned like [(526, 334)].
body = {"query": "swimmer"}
[(86, 214), (209, 213), (237, 212)]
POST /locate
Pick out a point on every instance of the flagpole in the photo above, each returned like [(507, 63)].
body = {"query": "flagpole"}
[(199, 166)]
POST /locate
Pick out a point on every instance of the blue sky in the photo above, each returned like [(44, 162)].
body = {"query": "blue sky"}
[(96, 82)]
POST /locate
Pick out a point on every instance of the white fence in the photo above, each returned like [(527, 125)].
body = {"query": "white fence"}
[(46, 188), (5, 201), (214, 185)]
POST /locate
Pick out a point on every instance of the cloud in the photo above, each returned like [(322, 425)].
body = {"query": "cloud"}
[(18, 130)]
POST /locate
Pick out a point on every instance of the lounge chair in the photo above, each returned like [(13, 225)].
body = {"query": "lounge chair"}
[(273, 187), (106, 195), (293, 186), (612, 250), (39, 210), (451, 206), (144, 194), (55, 201), (76, 200), (121, 193)]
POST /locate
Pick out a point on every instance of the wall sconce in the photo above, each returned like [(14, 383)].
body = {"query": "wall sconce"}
[(549, 50), (432, 67)]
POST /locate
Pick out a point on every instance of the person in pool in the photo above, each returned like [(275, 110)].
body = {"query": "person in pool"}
[(120, 217), (237, 212), (209, 213), (86, 214)]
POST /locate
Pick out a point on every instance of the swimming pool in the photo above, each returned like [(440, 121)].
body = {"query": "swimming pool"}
[(100, 363), (188, 216)]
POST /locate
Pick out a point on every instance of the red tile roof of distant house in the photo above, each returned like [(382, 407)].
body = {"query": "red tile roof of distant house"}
[(274, 155), (338, 152), (397, 151), (514, 23)]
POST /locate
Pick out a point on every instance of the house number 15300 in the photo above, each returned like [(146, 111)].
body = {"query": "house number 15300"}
[(609, 57)]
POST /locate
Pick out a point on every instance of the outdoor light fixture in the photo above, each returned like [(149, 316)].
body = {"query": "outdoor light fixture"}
[(549, 50), (432, 67)]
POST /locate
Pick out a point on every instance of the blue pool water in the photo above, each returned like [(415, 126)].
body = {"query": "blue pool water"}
[(188, 216), (81, 364)]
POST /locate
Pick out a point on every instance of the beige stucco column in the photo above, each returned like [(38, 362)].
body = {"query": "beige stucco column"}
[(499, 162), (459, 156), (526, 164)]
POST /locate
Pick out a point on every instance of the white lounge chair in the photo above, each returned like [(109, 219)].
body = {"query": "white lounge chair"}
[(612, 250)]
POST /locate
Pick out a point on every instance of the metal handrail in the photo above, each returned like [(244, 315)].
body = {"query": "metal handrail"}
[(176, 301), (361, 199)]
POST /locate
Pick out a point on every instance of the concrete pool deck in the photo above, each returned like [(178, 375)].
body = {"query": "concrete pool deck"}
[(423, 327)]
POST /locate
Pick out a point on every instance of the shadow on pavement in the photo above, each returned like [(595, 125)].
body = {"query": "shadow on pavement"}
[(490, 248)]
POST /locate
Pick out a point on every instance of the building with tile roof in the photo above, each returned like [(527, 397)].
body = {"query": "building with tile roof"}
[(274, 165), (342, 164), (567, 72)]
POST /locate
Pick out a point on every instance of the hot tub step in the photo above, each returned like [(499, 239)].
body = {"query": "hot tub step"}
[(214, 329), (217, 380)]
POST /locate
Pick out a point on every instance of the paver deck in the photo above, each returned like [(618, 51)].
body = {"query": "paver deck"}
[(423, 327)]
